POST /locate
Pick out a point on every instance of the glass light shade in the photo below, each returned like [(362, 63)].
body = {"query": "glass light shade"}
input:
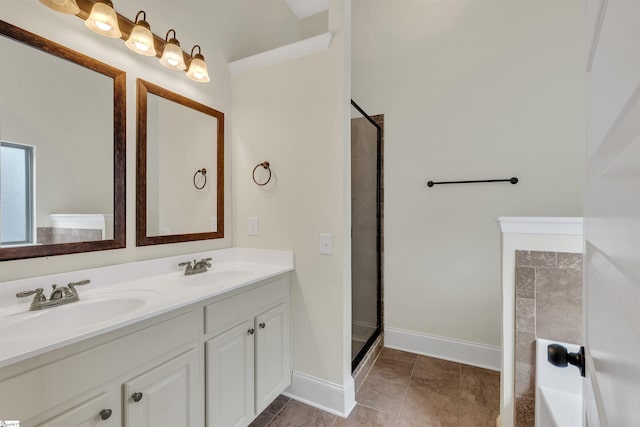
[(103, 20), (172, 56), (198, 69), (63, 6), (141, 40)]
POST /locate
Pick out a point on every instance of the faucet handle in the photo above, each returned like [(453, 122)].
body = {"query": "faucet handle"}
[(72, 287), (186, 263), (79, 283), (206, 261), (38, 292)]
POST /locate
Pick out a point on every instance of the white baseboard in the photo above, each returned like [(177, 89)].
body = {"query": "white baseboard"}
[(327, 396), (469, 353)]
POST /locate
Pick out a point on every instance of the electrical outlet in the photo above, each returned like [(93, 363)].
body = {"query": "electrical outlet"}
[(326, 244), (253, 226)]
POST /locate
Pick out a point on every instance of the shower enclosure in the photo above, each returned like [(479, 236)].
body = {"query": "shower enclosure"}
[(366, 231)]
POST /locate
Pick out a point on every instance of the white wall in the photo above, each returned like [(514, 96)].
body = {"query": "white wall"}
[(193, 25), (296, 116), (314, 25), (246, 27), (469, 90)]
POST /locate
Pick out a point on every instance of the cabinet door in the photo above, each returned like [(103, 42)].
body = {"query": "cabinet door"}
[(89, 414), (273, 355), (230, 371), (161, 396)]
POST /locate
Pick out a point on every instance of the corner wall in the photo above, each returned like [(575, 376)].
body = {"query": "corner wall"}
[(296, 116), (469, 90)]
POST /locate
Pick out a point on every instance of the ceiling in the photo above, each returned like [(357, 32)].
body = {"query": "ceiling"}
[(305, 8)]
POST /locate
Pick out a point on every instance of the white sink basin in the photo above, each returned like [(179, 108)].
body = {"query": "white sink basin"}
[(80, 315)]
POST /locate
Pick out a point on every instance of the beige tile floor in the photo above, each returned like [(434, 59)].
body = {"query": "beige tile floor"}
[(405, 390)]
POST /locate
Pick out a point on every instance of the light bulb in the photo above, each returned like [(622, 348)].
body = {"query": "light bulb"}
[(198, 68), (172, 56), (103, 20), (141, 39), (104, 26)]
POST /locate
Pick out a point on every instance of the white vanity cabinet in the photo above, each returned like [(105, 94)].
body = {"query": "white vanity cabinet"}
[(248, 357), (72, 386), (95, 412), (230, 377), (161, 396), (216, 362), (157, 397), (273, 355)]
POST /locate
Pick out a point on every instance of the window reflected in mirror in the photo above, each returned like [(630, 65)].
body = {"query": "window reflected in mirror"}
[(16, 194)]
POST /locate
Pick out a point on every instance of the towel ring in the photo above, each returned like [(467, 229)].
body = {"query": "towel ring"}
[(203, 171), (266, 166)]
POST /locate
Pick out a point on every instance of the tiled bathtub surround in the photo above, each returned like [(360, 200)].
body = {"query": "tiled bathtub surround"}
[(548, 305), (52, 235)]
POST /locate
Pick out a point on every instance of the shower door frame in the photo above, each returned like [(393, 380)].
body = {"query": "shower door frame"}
[(379, 200)]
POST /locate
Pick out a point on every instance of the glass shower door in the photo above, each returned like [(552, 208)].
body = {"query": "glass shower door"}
[(365, 232)]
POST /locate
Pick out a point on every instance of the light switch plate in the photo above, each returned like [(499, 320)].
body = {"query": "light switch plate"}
[(326, 244), (253, 226)]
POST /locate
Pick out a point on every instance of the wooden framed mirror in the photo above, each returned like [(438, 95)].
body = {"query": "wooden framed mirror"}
[(62, 128), (180, 170)]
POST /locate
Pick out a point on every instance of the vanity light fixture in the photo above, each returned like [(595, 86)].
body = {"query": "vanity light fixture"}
[(172, 57), (63, 6), (197, 67), (103, 19), (141, 39)]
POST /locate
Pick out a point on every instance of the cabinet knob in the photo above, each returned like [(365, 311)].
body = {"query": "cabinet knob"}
[(262, 325), (105, 414), (251, 331), (136, 397)]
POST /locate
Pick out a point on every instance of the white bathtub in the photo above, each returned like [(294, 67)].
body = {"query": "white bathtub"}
[(558, 390)]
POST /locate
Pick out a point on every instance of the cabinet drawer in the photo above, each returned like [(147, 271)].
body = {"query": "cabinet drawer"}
[(226, 313)]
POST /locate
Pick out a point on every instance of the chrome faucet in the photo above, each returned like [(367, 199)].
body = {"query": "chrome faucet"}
[(197, 267), (59, 295)]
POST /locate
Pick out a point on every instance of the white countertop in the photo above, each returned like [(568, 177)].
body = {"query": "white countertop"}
[(121, 295)]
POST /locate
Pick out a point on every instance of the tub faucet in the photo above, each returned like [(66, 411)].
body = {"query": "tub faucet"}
[(197, 267)]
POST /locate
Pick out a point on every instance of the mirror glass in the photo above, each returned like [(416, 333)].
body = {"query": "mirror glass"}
[(180, 168), (61, 128)]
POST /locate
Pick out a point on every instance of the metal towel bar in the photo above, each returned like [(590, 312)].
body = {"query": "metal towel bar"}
[(513, 180)]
